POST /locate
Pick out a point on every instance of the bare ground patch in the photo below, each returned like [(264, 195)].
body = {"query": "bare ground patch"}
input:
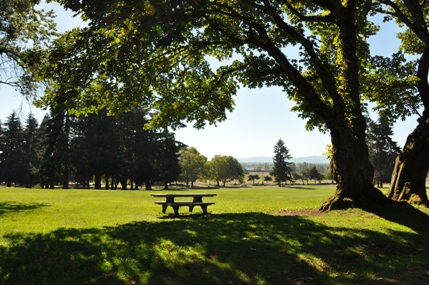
[(300, 212)]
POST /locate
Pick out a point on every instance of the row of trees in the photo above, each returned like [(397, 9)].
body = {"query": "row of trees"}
[(158, 53), (98, 147), (84, 149), (94, 146)]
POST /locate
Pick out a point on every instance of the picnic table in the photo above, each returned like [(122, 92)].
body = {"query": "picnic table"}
[(197, 201)]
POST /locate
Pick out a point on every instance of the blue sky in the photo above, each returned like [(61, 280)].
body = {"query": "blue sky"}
[(260, 118)]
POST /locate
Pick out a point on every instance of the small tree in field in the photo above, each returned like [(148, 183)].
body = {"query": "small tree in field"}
[(315, 175), (223, 169), (296, 177), (281, 169), (253, 177), (268, 179)]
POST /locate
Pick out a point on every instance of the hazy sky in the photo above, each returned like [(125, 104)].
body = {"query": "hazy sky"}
[(260, 118)]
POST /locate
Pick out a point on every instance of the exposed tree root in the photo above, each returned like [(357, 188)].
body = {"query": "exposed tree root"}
[(371, 201)]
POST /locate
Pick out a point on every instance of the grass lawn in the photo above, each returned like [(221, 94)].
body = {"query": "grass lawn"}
[(259, 235)]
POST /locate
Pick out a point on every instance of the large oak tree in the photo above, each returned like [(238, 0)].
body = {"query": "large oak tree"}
[(187, 58), (409, 175)]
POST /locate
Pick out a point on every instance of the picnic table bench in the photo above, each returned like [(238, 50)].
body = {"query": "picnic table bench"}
[(197, 201)]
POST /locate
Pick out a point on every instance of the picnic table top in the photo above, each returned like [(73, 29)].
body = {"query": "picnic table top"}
[(184, 195)]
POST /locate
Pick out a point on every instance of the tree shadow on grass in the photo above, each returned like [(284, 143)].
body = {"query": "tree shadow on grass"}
[(13, 207), (406, 215), (250, 248)]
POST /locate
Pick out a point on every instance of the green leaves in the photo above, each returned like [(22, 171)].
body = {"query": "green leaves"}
[(186, 59), (22, 29)]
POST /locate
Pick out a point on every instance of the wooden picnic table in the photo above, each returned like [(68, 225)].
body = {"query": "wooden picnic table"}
[(197, 201)]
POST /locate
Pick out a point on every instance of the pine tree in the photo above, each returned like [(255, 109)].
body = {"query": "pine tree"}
[(281, 170), (382, 151), (32, 151), (12, 156)]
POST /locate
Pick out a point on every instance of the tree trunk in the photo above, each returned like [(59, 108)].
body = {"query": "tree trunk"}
[(148, 185), (353, 173), (97, 181), (411, 167), (66, 152), (124, 184)]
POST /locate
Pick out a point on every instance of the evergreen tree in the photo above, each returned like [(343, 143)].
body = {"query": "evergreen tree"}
[(12, 156), (56, 159), (99, 144), (32, 151), (281, 169), (315, 175), (382, 151), (167, 158)]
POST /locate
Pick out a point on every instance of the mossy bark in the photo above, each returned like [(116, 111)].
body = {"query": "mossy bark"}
[(408, 181), (353, 173)]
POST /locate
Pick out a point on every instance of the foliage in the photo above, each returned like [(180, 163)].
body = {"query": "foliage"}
[(392, 87), (268, 179), (315, 175), (187, 58), (181, 39), (192, 164), (223, 168), (167, 158), (281, 169), (55, 166), (12, 152), (22, 29), (409, 173), (253, 177), (297, 177), (382, 151), (32, 148), (65, 148), (305, 171)]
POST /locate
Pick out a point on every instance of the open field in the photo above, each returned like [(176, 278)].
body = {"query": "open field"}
[(259, 235)]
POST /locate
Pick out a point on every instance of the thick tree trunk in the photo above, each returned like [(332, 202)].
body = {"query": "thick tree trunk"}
[(353, 173), (411, 167)]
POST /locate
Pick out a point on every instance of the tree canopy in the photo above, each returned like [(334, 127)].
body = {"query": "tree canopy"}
[(187, 58)]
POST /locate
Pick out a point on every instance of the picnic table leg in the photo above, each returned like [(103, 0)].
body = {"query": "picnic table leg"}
[(164, 208), (204, 208), (176, 210), (191, 208)]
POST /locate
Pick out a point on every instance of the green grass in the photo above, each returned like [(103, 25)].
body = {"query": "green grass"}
[(259, 235)]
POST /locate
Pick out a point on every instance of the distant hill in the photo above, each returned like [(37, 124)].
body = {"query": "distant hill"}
[(316, 159)]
